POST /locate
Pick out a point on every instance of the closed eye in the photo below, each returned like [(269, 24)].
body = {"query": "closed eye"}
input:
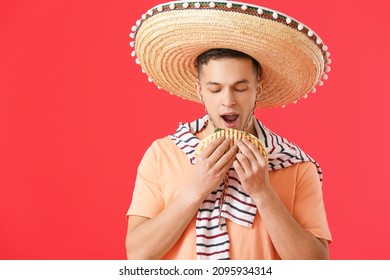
[(214, 90), (241, 89)]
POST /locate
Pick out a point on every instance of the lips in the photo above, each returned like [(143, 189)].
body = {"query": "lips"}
[(230, 120)]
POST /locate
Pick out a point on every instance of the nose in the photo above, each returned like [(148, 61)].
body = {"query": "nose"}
[(228, 97)]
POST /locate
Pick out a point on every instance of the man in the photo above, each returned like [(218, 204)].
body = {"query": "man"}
[(227, 203)]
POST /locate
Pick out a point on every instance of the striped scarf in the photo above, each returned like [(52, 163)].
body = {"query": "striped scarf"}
[(212, 239)]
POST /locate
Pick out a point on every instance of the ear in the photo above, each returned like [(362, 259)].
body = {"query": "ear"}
[(198, 90), (259, 89)]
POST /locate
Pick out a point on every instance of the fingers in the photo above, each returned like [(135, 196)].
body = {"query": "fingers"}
[(238, 167), (251, 152), (226, 161), (209, 150), (246, 158), (211, 169), (216, 149), (243, 163), (217, 157)]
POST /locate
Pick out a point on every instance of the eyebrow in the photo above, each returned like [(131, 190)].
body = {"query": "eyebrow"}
[(244, 81)]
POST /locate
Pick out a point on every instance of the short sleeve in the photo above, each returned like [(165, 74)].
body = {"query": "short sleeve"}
[(147, 198), (309, 209)]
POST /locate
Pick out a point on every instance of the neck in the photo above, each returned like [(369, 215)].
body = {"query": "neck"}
[(251, 126)]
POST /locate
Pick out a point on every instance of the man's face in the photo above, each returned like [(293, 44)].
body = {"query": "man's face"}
[(228, 89)]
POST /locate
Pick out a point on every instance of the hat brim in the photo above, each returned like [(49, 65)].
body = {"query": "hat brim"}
[(168, 41)]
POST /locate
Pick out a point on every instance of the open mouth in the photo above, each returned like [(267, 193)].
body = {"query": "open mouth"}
[(230, 120)]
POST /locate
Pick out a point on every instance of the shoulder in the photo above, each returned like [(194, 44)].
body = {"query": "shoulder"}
[(305, 174), (298, 171), (162, 145), (307, 168), (162, 149), (296, 177), (308, 172)]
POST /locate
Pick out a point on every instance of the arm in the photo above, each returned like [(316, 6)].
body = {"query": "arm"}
[(290, 239), (153, 238)]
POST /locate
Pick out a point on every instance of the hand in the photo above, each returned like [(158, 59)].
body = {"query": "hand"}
[(212, 165), (252, 168)]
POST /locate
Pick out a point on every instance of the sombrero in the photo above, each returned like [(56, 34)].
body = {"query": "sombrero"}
[(169, 37)]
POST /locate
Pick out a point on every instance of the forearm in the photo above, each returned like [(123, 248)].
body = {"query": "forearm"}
[(153, 238), (291, 241)]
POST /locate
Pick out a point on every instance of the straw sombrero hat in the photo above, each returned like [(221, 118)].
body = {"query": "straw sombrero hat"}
[(169, 37)]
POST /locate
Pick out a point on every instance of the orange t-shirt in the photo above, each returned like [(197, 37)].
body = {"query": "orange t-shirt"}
[(165, 170)]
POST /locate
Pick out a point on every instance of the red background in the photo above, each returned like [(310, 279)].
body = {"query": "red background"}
[(77, 114)]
